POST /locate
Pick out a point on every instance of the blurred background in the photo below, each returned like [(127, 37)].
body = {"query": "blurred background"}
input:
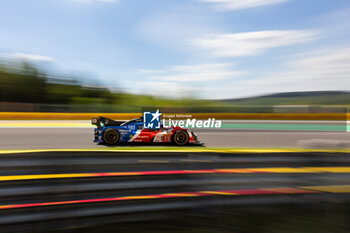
[(114, 56), (276, 72)]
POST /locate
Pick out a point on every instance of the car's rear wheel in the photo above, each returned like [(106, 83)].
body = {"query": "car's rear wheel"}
[(111, 136), (181, 138)]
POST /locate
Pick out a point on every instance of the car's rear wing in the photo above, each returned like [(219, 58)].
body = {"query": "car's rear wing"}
[(103, 121), (96, 121)]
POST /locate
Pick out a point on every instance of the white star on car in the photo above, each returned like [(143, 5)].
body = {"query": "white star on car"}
[(155, 115)]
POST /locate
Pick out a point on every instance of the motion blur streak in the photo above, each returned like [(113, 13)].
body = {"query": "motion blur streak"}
[(331, 189), (283, 190), (179, 172)]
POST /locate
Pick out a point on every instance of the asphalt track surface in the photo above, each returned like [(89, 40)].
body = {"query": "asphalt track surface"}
[(70, 138), (54, 190)]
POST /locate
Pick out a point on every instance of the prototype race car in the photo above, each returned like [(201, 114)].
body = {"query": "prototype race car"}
[(112, 132)]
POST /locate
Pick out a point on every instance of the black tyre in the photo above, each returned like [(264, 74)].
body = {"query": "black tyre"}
[(181, 138), (111, 136)]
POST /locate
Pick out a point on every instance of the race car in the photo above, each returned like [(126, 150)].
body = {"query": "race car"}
[(111, 132)]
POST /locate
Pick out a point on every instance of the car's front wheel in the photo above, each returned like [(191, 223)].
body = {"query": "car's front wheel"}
[(111, 136), (181, 138)]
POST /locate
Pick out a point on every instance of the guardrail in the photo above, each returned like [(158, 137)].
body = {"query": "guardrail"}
[(220, 116)]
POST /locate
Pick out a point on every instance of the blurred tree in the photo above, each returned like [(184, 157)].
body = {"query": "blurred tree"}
[(26, 83)]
